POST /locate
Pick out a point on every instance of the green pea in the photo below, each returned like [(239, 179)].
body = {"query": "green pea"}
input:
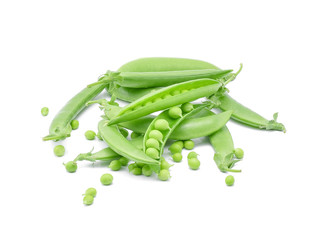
[(188, 144), (164, 175), (193, 163), (152, 152), (175, 148), (137, 171), (59, 150), (229, 180), (134, 135), (88, 199), (146, 170), (152, 143), (90, 135), (187, 107), (239, 153), (124, 132), (180, 143), (161, 125), (177, 157), (131, 166), (175, 112), (164, 164), (44, 111), (106, 179), (192, 155), (140, 165), (91, 191), (75, 124), (156, 135), (99, 136), (115, 165), (71, 166), (124, 161)]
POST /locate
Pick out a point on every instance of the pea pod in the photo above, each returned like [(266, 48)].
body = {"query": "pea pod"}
[(118, 143), (60, 127), (173, 123), (223, 145), (167, 97)]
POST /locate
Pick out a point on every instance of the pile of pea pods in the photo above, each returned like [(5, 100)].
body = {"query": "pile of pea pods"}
[(166, 86)]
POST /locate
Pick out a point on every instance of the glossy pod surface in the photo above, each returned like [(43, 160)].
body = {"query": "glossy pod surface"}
[(167, 97)]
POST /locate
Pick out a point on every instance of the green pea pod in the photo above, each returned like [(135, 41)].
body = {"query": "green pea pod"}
[(131, 94), (173, 123), (60, 127), (118, 143), (160, 64), (223, 144), (246, 116), (167, 97)]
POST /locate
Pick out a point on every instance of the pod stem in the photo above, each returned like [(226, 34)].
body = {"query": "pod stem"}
[(274, 125), (107, 78), (56, 137), (232, 76), (85, 156)]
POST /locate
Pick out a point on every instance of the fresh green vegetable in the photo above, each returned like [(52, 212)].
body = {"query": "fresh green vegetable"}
[(193, 163), (192, 155), (152, 153), (229, 180), (188, 144), (59, 150), (123, 161), (152, 143), (131, 166), (106, 179), (45, 111), (146, 170), (124, 132), (99, 136), (175, 112), (71, 166), (74, 124), (88, 199), (115, 165), (91, 191), (187, 107), (156, 134), (90, 135), (239, 153), (175, 148), (177, 157), (164, 164), (161, 125), (134, 135), (137, 171), (164, 175)]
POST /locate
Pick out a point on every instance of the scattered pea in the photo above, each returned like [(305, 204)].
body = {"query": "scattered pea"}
[(188, 144), (164, 164), (161, 124), (152, 152), (75, 124), (152, 143), (124, 132), (193, 163), (140, 165), (187, 107), (115, 165), (177, 157), (88, 199), (124, 161), (180, 143), (71, 166), (134, 135), (192, 155), (239, 153), (137, 171), (229, 180), (91, 191), (164, 175), (175, 148), (146, 170), (175, 112), (90, 135), (106, 179), (131, 166), (156, 135), (44, 111), (59, 150)]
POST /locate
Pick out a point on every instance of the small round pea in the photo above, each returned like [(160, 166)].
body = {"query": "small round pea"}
[(161, 125), (152, 152), (44, 111), (146, 170), (177, 157), (137, 171), (106, 179), (75, 124), (193, 163), (140, 165), (239, 153), (187, 107), (115, 165), (134, 135), (71, 166), (90, 135), (175, 112), (132, 166), (152, 143), (124, 161), (88, 199), (91, 191), (124, 132), (175, 148), (180, 143), (156, 135), (188, 144), (164, 164), (164, 175), (229, 180), (192, 155), (59, 150)]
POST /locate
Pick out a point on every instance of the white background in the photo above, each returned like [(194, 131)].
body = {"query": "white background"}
[(52, 49)]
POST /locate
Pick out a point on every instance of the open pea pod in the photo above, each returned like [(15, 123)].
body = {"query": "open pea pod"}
[(173, 123), (167, 97)]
